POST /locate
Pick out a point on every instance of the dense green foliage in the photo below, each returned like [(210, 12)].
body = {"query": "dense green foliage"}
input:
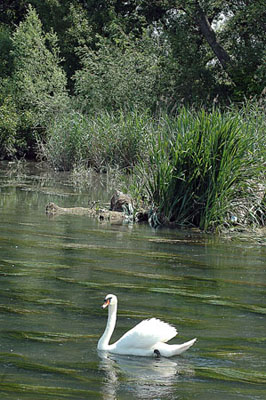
[(207, 48), (8, 127), (113, 83), (204, 168), (123, 73), (35, 91), (39, 83), (196, 168)]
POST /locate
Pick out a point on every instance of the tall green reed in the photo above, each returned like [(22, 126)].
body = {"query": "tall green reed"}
[(199, 165), (102, 140), (117, 139), (67, 141), (197, 168)]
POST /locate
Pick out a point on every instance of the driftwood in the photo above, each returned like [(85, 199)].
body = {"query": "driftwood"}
[(101, 214), (121, 210)]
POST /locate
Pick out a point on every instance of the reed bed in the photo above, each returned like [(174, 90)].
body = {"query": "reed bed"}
[(205, 169), (196, 168), (99, 141)]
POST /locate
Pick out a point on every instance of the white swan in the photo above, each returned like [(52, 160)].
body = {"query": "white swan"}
[(148, 338)]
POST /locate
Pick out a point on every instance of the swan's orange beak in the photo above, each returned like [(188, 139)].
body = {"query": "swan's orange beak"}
[(106, 303)]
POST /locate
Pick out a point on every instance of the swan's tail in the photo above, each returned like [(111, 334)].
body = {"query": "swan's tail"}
[(170, 350), (180, 348)]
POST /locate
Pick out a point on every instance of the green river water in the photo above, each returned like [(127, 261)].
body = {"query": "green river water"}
[(56, 271)]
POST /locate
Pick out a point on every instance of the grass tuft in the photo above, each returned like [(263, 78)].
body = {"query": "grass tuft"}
[(205, 170)]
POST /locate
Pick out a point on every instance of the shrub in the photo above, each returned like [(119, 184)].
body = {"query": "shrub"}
[(38, 83), (6, 61), (122, 73), (8, 128)]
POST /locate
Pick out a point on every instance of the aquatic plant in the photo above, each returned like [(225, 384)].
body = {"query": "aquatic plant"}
[(99, 141), (205, 168), (196, 168), (67, 141)]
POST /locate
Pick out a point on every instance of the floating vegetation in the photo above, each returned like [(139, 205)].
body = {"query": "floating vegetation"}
[(30, 296), (25, 363), (182, 292), (48, 391), (248, 307), (48, 337), (211, 299), (19, 310), (146, 275), (231, 374), (31, 266), (228, 281), (98, 285), (87, 284)]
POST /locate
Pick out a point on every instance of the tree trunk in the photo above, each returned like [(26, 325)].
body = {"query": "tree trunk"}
[(209, 34)]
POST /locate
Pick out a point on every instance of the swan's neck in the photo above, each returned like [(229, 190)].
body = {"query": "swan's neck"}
[(103, 343)]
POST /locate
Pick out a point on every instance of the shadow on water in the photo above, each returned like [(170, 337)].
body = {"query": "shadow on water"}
[(55, 272)]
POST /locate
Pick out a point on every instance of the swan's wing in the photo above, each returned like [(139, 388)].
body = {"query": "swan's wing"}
[(147, 333)]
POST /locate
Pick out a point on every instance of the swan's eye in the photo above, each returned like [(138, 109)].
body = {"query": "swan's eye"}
[(106, 302)]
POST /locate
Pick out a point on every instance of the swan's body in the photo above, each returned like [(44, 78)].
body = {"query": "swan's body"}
[(148, 338)]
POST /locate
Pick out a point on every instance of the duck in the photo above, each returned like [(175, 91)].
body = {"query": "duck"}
[(148, 338)]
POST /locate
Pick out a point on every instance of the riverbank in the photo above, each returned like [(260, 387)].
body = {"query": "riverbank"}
[(87, 180), (194, 169)]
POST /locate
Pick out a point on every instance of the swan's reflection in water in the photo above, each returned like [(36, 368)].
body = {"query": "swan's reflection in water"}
[(142, 377)]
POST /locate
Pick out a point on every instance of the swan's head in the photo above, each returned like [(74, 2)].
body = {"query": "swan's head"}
[(110, 300)]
